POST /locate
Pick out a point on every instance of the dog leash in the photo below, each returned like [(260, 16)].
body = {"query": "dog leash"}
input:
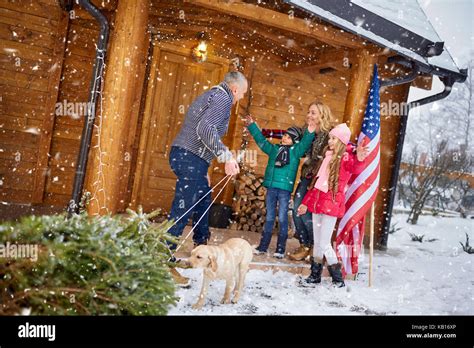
[(195, 225), (187, 211), (228, 177)]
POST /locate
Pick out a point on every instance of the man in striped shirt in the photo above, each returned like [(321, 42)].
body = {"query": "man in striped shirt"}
[(196, 145)]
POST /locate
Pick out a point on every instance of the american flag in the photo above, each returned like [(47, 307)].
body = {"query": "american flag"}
[(362, 188)]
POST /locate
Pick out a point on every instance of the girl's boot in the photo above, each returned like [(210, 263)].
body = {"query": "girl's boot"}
[(316, 270), (336, 275)]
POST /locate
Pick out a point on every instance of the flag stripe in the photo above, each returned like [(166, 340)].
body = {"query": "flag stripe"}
[(372, 143), (357, 190), (366, 173), (363, 187), (359, 203), (355, 219)]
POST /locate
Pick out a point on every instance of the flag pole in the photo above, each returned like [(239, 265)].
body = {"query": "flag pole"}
[(371, 245)]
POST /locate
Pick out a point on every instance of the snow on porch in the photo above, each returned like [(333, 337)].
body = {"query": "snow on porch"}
[(264, 262), (410, 278)]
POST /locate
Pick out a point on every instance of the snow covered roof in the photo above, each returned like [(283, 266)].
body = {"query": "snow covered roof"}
[(400, 25)]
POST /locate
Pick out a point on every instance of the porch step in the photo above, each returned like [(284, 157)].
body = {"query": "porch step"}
[(301, 269), (263, 262)]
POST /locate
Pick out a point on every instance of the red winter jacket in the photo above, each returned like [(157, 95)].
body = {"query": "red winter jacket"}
[(319, 202)]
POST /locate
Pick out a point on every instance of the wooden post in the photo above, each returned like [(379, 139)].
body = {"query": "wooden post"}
[(371, 246), (140, 88), (356, 100), (108, 158)]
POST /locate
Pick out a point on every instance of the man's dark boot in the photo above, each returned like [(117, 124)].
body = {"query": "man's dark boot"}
[(203, 242), (336, 275), (315, 276)]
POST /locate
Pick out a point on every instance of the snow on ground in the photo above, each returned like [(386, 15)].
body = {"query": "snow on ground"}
[(410, 278)]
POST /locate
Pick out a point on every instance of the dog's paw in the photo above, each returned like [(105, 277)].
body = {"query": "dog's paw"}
[(225, 300), (235, 300), (197, 306)]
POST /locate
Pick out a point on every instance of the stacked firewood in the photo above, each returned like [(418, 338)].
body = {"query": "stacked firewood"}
[(249, 203)]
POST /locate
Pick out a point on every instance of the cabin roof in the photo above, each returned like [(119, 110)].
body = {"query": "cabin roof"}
[(400, 25)]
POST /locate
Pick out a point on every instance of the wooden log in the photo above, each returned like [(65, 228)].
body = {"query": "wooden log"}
[(331, 36), (251, 176), (247, 180)]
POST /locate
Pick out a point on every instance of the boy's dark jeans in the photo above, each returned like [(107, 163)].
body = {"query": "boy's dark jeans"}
[(191, 185), (303, 223), (275, 195)]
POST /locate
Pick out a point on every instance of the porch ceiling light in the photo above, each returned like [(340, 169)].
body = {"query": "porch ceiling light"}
[(199, 52)]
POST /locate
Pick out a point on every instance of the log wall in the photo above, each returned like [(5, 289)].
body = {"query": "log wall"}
[(57, 54), (31, 37), (79, 58)]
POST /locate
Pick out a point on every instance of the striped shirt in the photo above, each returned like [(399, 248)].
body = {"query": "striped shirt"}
[(206, 122)]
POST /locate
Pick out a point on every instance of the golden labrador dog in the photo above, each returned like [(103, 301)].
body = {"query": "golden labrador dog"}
[(229, 261)]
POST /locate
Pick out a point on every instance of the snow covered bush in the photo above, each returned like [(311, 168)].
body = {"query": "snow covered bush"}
[(109, 265)]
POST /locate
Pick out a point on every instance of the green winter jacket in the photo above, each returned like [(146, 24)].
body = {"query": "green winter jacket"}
[(284, 177)]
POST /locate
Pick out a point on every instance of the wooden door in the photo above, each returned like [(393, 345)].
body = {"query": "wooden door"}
[(175, 81)]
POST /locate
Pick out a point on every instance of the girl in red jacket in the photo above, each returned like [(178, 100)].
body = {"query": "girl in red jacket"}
[(325, 199)]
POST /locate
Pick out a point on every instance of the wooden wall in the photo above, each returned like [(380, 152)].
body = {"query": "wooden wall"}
[(35, 32), (31, 37), (274, 91), (280, 99), (79, 58), (57, 53)]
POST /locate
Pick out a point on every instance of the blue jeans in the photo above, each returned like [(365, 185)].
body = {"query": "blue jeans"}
[(191, 185), (275, 195), (303, 223)]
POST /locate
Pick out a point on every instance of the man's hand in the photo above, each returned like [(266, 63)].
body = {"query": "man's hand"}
[(248, 120), (302, 209), (362, 152), (232, 167)]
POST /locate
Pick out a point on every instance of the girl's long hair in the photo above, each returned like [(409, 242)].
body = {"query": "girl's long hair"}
[(326, 117), (334, 166)]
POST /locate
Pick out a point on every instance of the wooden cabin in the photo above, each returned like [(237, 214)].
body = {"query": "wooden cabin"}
[(292, 52)]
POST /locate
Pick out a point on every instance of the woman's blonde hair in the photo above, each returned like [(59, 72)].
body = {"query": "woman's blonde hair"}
[(325, 115)]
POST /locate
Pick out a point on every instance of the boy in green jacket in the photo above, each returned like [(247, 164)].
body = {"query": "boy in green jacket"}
[(280, 175)]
